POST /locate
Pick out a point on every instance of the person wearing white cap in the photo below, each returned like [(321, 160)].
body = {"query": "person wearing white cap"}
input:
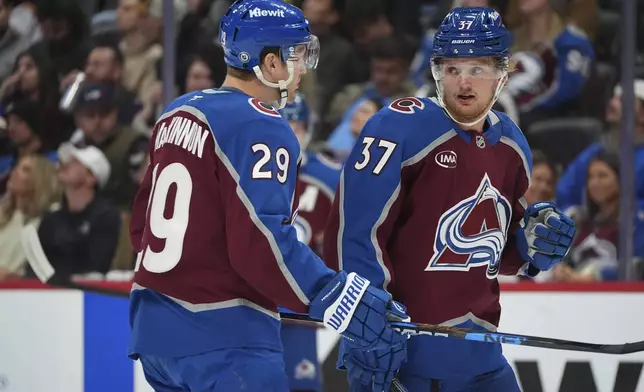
[(90, 158), (82, 236)]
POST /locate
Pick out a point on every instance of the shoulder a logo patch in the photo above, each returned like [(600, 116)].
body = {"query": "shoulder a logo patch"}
[(263, 107)]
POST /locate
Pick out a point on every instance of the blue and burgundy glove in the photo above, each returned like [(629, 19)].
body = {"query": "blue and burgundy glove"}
[(545, 235), (359, 312)]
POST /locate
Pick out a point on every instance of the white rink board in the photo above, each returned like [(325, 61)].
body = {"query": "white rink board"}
[(42, 338), (599, 317), (608, 318), (41, 341)]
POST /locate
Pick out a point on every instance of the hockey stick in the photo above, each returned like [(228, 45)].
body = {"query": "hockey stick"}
[(437, 330), (519, 340), (500, 337)]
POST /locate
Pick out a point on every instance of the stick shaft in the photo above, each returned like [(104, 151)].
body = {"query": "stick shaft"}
[(450, 332)]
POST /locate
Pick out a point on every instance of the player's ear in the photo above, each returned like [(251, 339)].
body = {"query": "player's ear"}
[(272, 62)]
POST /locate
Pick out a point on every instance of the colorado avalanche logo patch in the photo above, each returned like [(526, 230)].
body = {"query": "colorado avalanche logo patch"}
[(263, 107), (473, 233)]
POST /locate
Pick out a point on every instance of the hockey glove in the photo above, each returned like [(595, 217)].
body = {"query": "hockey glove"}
[(375, 368), (371, 368), (359, 312), (545, 235)]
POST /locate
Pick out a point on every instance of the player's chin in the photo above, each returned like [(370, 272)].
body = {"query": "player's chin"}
[(466, 114)]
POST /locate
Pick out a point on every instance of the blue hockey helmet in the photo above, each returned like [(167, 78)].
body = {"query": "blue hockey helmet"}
[(250, 26), (468, 33), (298, 111), (472, 32)]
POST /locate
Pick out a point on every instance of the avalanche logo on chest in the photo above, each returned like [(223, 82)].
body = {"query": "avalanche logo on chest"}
[(473, 232)]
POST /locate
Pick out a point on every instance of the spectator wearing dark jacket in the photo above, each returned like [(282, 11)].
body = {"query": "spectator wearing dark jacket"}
[(81, 237), (65, 33)]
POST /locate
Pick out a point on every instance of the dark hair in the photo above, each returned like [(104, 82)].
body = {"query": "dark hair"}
[(611, 159), (107, 44), (67, 10), (540, 158), (393, 47), (48, 80), (338, 5), (361, 13), (210, 54)]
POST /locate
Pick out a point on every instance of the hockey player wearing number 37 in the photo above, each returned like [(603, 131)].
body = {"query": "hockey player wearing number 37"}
[(213, 225), (430, 207)]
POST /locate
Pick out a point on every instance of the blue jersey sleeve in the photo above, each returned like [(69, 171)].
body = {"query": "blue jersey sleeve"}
[(366, 205), (511, 261), (263, 159)]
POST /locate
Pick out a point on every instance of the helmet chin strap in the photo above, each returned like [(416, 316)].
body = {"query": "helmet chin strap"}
[(282, 85), (497, 93)]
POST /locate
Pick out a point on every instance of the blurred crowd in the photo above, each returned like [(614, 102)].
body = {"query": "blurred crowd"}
[(81, 88)]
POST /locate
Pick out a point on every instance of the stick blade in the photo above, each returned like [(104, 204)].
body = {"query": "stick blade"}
[(627, 348)]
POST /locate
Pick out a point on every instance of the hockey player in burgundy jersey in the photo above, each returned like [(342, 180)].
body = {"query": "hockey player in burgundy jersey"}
[(430, 207), (316, 183), (213, 225)]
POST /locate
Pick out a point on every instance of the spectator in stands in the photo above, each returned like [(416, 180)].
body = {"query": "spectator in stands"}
[(204, 69), (554, 61), (366, 22), (65, 35), (139, 47), (196, 28), (571, 187), (11, 42), (25, 128), (82, 236), (332, 72), (365, 110), (23, 20), (390, 61), (34, 79), (594, 253), (31, 190), (543, 181), (105, 64), (97, 116)]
